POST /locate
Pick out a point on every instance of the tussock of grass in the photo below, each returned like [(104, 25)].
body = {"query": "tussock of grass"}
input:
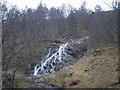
[(91, 71)]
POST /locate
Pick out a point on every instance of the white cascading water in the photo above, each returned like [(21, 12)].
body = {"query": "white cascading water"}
[(49, 63)]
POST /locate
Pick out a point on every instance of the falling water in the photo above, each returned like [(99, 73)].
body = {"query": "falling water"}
[(50, 62)]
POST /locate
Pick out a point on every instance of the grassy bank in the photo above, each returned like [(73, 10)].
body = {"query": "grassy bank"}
[(89, 72)]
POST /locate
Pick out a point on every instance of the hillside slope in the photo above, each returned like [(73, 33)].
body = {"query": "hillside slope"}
[(91, 71)]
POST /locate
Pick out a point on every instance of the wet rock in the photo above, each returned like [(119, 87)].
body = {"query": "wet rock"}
[(97, 52), (115, 85), (29, 72)]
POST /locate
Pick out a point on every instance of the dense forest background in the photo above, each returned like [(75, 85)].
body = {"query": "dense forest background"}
[(23, 31)]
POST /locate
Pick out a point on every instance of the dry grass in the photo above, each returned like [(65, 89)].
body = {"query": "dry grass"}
[(91, 71)]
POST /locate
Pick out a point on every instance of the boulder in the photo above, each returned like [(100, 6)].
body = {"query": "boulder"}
[(56, 41)]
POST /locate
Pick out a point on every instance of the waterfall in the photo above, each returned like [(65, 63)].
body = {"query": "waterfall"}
[(49, 63)]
